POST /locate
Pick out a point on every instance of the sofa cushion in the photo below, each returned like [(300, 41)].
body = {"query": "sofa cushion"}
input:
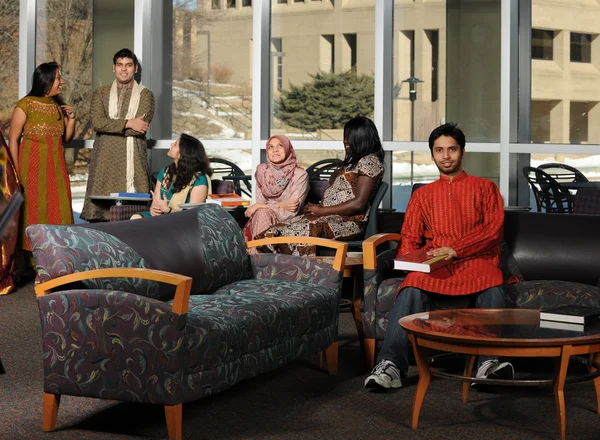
[(224, 257), (283, 267), (253, 315), (62, 250), (543, 294)]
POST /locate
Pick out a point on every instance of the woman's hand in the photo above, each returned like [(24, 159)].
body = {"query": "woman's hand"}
[(288, 205), (312, 208), (159, 205), (69, 111)]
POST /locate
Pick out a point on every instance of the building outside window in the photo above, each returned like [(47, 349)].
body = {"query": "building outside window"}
[(542, 44), (581, 48)]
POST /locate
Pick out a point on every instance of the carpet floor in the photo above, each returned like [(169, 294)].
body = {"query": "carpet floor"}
[(299, 401)]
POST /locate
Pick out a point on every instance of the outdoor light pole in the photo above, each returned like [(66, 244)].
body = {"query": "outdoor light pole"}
[(412, 95)]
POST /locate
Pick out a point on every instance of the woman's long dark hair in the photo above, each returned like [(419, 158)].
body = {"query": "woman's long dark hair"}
[(43, 80), (192, 159), (361, 134)]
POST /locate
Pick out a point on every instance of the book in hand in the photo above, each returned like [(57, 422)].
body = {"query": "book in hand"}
[(126, 194), (562, 325), (570, 313), (419, 261), (227, 199)]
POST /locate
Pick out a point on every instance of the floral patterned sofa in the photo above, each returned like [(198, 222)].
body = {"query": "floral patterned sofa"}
[(112, 328), (547, 260)]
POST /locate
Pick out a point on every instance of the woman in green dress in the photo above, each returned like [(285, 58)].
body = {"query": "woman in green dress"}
[(40, 123), (186, 180)]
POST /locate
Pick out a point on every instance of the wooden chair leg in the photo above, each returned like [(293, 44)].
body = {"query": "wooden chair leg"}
[(331, 354), (51, 403), (370, 344), (174, 415)]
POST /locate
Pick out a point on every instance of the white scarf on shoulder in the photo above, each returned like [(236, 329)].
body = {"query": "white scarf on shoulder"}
[(113, 113)]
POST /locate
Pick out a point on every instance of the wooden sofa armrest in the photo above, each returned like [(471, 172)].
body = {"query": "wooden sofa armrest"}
[(370, 248), (182, 283), (340, 247)]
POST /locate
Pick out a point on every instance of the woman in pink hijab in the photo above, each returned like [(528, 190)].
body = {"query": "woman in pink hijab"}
[(281, 189)]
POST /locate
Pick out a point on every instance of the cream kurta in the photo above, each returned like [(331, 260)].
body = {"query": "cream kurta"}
[(108, 166)]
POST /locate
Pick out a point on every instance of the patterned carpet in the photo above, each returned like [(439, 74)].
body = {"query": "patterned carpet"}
[(298, 401)]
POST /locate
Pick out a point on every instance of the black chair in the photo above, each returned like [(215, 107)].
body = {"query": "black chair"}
[(230, 171), (563, 172), (549, 195), (371, 228), (323, 169)]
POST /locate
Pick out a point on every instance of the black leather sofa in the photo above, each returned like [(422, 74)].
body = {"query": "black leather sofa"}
[(547, 260)]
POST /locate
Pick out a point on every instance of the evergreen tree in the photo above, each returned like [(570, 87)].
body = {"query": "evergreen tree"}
[(329, 101)]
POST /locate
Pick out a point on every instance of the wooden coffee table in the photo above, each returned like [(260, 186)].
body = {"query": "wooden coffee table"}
[(499, 332)]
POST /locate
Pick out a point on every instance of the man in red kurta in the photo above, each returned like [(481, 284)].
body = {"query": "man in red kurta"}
[(461, 216)]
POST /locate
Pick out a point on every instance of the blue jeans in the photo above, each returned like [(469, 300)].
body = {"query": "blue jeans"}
[(411, 300)]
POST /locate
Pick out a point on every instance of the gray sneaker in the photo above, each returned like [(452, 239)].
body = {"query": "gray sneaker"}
[(385, 375), (494, 369)]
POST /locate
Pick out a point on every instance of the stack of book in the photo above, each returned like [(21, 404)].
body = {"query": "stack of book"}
[(570, 317), (228, 199)]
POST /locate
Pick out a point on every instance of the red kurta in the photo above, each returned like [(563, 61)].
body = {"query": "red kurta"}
[(465, 213)]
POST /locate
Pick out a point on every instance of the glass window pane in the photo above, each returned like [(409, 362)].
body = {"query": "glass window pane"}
[(542, 44), (565, 92), (212, 70), (9, 72), (64, 34), (587, 165), (410, 167), (581, 47), (447, 68), (320, 80)]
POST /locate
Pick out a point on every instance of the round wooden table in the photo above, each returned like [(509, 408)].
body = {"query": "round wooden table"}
[(499, 332)]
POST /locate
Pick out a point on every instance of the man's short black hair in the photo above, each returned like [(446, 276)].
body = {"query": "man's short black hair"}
[(125, 53), (449, 129)]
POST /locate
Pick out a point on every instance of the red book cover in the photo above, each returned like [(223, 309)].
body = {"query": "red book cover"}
[(419, 261)]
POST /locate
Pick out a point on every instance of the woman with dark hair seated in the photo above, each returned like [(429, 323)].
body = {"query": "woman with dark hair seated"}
[(344, 210), (186, 180)]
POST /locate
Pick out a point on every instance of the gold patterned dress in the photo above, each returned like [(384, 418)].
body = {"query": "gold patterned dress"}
[(108, 166), (42, 166)]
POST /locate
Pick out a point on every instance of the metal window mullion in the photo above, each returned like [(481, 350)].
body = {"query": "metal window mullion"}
[(384, 83), (505, 96), (27, 30), (261, 79)]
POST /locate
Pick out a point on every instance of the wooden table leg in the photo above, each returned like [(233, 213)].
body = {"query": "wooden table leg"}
[(596, 358), (559, 386), (468, 372), (421, 356), (357, 297)]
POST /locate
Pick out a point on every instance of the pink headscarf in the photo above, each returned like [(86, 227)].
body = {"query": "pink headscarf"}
[(272, 179)]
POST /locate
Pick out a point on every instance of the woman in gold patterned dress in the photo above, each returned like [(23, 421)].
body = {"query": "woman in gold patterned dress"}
[(40, 123), (346, 204)]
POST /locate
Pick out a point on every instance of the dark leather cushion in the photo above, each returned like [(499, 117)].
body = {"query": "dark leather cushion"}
[(561, 247)]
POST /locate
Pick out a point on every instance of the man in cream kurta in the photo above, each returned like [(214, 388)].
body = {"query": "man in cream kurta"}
[(121, 114)]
